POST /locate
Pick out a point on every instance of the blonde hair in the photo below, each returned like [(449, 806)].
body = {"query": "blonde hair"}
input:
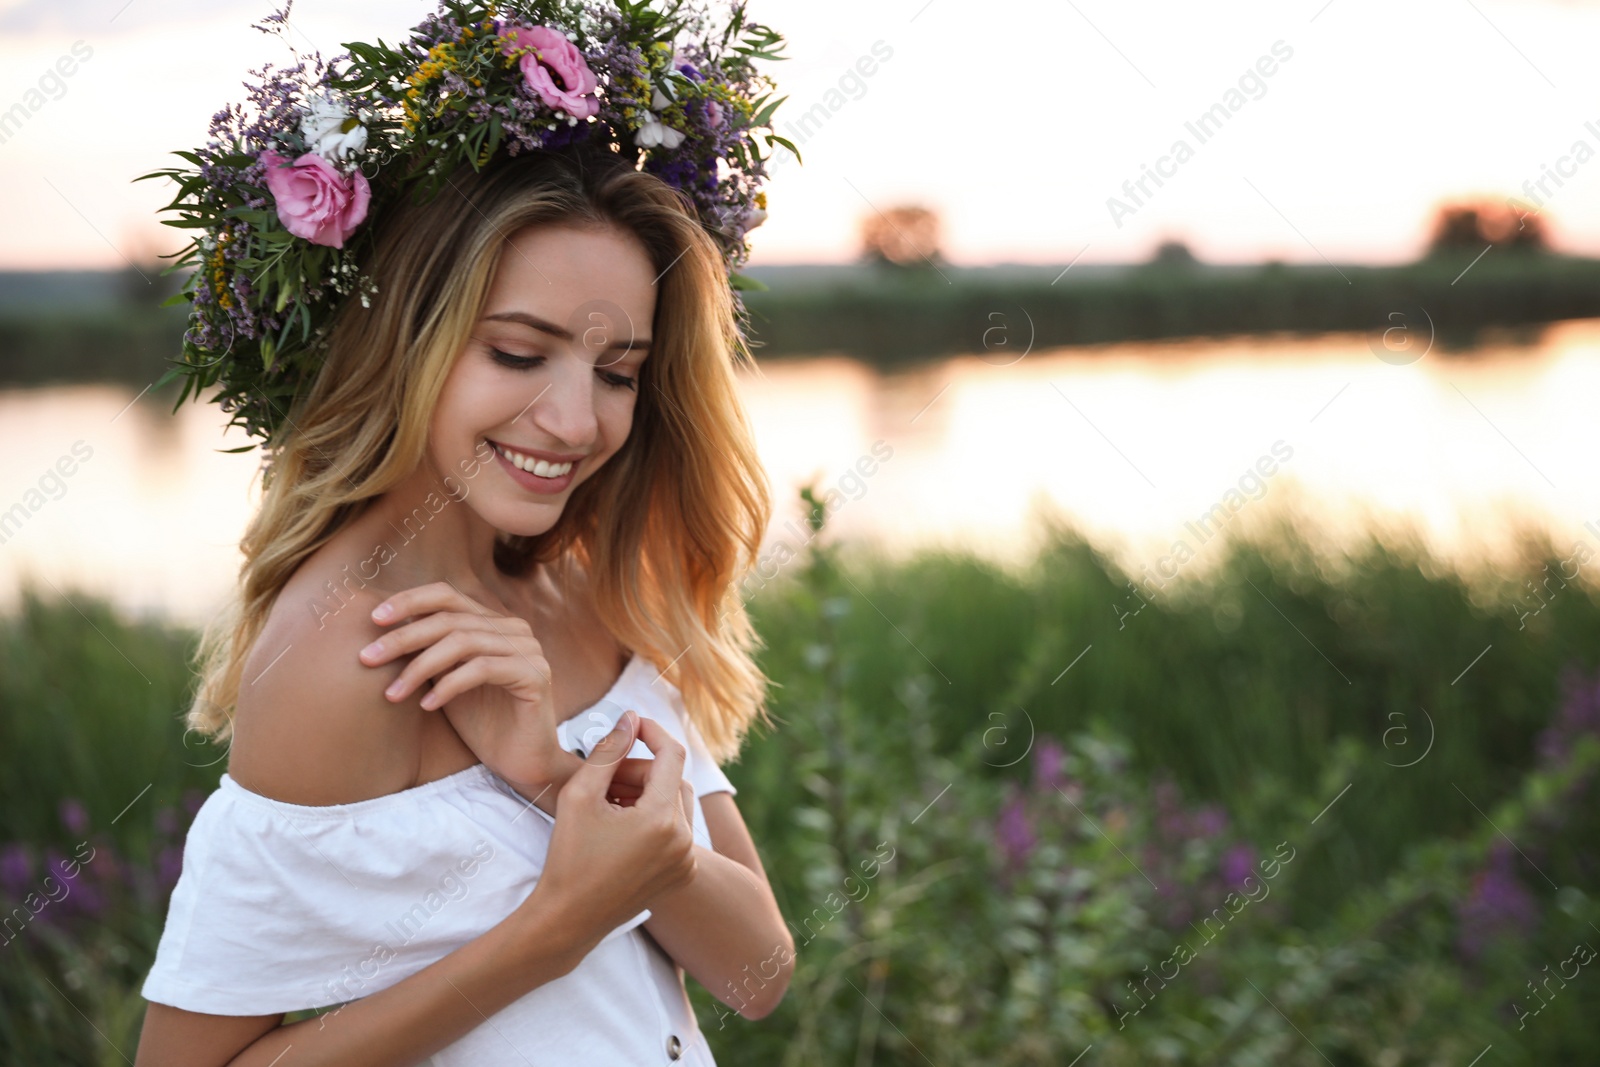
[(666, 530)]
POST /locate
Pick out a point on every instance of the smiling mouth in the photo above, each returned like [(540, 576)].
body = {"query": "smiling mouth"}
[(531, 464)]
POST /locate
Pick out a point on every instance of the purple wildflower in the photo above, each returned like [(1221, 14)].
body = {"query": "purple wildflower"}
[(84, 898), (1237, 864), (1208, 822), (1170, 818), (169, 865), (1498, 904), (1579, 716), (73, 816), (1015, 832), (1048, 760), (16, 870)]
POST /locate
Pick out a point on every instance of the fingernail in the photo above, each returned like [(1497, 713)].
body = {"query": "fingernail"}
[(629, 719), (372, 649), (382, 612), (393, 690)]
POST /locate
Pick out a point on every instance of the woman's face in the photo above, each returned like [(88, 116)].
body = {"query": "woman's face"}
[(544, 390)]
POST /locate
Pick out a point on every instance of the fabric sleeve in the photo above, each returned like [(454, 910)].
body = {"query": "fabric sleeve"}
[(704, 774), (281, 907)]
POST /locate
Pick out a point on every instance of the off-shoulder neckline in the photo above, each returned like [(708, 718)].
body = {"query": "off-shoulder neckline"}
[(472, 775)]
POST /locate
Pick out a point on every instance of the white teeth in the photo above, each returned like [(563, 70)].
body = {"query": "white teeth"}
[(540, 467)]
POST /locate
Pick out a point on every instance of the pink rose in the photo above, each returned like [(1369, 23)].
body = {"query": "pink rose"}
[(314, 200), (714, 112), (554, 69)]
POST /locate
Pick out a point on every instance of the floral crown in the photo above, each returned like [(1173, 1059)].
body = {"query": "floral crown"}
[(282, 194)]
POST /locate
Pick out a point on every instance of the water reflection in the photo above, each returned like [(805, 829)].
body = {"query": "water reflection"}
[(1144, 447)]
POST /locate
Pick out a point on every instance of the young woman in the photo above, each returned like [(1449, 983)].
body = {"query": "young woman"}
[(519, 495)]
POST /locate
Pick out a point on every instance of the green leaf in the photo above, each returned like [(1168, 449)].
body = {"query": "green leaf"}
[(764, 117), (787, 144)]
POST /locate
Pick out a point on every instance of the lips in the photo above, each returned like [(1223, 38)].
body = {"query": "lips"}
[(524, 470), (533, 464)]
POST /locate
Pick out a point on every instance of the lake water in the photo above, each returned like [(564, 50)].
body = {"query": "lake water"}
[(1141, 446)]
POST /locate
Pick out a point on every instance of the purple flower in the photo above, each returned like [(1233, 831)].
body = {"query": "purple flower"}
[(1170, 818), (67, 870), (1015, 832), (1579, 715), (1210, 821), (1237, 864), (73, 816), (1498, 904), (1048, 760), (169, 865), (84, 899), (16, 869), (167, 821)]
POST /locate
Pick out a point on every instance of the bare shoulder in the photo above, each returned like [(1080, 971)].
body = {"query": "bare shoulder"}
[(312, 725)]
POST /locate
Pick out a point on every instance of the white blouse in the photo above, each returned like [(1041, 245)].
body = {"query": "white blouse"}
[(282, 907)]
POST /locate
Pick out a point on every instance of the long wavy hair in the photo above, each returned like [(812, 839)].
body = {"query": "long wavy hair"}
[(666, 530)]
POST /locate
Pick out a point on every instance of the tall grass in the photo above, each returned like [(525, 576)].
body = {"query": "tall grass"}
[(1286, 697)]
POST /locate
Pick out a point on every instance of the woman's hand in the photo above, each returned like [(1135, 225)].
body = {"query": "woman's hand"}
[(628, 783), (489, 675), (607, 861)]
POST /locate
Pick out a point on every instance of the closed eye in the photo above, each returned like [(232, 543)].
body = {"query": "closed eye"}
[(507, 359)]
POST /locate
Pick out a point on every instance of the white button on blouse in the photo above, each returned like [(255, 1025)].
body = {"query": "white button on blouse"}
[(282, 907)]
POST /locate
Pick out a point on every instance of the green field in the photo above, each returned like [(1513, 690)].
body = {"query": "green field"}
[(1263, 820)]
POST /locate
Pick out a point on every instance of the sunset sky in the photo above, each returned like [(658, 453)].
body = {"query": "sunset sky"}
[(1015, 120)]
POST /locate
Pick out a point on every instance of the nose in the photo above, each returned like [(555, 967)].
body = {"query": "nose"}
[(564, 409)]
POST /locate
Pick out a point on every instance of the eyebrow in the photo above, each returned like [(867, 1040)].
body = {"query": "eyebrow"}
[(551, 328)]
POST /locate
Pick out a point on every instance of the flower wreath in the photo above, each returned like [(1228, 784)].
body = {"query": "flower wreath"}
[(280, 193)]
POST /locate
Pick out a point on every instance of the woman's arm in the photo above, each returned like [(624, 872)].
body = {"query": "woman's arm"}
[(604, 863), (724, 927), (399, 1025)]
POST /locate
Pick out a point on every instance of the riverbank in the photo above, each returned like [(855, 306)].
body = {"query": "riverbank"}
[(107, 326)]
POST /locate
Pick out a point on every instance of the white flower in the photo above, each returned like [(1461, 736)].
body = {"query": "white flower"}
[(655, 132), (658, 99), (323, 127), (753, 218)]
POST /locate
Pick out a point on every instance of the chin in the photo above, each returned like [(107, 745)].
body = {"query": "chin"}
[(522, 518)]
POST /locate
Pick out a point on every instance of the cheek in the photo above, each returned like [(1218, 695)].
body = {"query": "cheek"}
[(470, 397), (616, 415)]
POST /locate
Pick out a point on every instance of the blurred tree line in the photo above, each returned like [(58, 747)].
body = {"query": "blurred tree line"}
[(914, 306)]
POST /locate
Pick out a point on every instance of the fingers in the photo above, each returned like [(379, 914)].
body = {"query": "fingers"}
[(435, 596), (594, 777), (430, 628), (484, 670), (665, 773), (631, 772), (504, 662)]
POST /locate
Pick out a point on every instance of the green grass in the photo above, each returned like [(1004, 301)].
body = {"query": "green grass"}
[(914, 698)]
